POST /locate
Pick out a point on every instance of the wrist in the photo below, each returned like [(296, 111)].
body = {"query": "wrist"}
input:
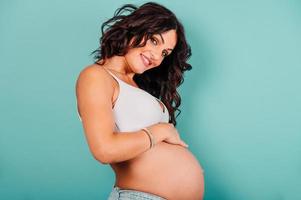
[(151, 137), (158, 136)]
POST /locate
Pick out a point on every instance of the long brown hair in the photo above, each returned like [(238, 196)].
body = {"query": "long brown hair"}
[(144, 22)]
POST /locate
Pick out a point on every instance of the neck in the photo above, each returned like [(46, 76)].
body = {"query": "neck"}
[(120, 65)]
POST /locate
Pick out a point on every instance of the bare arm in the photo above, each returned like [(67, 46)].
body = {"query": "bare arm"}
[(128, 145), (94, 93)]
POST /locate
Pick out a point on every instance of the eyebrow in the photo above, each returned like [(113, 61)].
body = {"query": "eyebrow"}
[(163, 41)]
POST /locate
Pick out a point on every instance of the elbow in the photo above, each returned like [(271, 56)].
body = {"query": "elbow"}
[(102, 160), (103, 156)]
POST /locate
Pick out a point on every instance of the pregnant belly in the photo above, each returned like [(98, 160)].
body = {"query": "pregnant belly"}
[(170, 171)]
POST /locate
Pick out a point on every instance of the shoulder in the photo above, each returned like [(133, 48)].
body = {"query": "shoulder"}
[(94, 77), (93, 72)]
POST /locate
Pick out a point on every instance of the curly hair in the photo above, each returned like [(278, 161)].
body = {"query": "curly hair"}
[(142, 23)]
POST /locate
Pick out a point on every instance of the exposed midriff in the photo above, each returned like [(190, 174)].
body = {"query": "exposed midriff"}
[(167, 170)]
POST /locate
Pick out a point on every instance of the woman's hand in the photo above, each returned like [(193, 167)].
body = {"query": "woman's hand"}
[(169, 133)]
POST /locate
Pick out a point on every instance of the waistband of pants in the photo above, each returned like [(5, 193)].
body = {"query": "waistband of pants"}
[(135, 194)]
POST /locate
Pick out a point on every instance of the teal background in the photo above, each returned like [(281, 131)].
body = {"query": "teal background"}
[(240, 107)]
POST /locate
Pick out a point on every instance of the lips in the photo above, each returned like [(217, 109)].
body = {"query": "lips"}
[(146, 61)]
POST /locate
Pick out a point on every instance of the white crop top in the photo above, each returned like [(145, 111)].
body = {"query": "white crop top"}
[(135, 108)]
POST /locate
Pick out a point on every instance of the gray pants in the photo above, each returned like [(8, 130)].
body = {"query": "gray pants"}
[(121, 194)]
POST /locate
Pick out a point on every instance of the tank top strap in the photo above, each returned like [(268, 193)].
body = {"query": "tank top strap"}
[(114, 76), (80, 118)]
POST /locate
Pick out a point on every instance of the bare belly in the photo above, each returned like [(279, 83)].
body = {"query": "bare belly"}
[(170, 171)]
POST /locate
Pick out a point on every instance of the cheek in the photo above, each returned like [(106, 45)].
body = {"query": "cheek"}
[(133, 57), (131, 54)]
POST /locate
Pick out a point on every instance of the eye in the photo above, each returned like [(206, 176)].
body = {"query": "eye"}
[(154, 41), (164, 53)]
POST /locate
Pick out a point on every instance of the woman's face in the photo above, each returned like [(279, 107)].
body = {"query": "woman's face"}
[(152, 54)]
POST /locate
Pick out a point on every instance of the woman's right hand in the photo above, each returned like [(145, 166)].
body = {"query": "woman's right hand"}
[(169, 132)]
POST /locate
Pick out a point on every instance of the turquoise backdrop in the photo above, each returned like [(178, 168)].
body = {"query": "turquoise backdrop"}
[(241, 103)]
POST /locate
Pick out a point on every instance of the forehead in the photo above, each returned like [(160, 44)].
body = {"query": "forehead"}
[(169, 37)]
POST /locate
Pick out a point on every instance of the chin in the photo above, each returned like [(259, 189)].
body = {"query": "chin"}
[(140, 70)]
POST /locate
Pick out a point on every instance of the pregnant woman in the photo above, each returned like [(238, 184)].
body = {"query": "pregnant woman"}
[(127, 101)]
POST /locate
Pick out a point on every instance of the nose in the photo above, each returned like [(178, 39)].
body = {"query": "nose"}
[(156, 56)]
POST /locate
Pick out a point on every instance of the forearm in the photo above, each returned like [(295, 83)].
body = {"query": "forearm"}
[(127, 145)]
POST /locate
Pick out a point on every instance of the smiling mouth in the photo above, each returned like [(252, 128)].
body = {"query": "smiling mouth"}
[(146, 60)]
